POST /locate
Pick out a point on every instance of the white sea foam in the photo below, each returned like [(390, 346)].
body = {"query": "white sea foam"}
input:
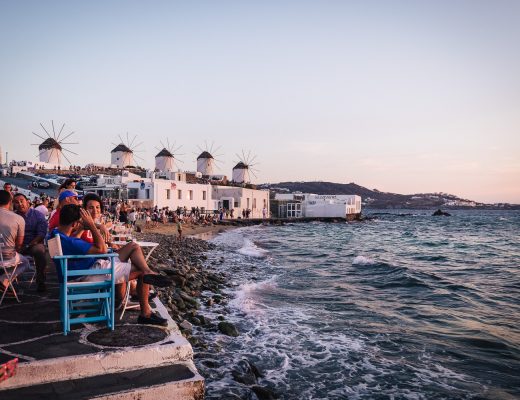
[(362, 260), (245, 296), (252, 250)]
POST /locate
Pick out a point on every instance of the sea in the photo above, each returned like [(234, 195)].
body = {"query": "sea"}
[(402, 306)]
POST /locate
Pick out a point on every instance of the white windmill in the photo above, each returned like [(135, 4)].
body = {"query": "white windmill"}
[(123, 154), (50, 151), (244, 168), (205, 161), (165, 160)]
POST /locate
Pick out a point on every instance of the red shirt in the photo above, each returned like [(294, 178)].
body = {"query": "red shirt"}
[(54, 221)]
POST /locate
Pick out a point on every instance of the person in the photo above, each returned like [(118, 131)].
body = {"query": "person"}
[(179, 226), (12, 229), (68, 184), (72, 216), (264, 212), (34, 234), (66, 197), (43, 207), (8, 187)]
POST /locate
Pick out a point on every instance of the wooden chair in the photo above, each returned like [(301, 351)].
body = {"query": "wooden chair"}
[(83, 302)]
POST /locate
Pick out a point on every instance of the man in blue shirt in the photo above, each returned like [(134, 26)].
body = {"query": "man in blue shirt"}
[(71, 218), (35, 231)]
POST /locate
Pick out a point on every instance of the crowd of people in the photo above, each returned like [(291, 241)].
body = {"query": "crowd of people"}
[(84, 226)]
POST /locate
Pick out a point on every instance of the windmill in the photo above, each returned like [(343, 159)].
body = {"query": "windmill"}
[(123, 154), (50, 151), (165, 159), (205, 161), (244, 168)]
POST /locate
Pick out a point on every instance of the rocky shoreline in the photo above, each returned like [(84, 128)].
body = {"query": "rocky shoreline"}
[(198, 284)]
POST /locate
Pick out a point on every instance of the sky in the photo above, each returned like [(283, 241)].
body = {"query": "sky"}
[(400, 96)]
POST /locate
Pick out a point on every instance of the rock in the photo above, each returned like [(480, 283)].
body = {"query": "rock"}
[(186, 325), (439, 212), (264, 393), (243, 373), (227, 328)]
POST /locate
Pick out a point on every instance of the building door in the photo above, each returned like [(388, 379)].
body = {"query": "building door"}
[(225, 204)]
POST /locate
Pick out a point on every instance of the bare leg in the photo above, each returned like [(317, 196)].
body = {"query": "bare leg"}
[(142, 292), (133, 252)]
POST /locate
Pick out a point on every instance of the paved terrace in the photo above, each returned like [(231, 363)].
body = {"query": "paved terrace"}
[(91, 360)]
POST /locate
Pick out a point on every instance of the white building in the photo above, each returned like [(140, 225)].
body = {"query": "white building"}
[(296, 205), (164, 161), (122, 156), (241, 173), (50, 152), (240, 198), (205, 163)]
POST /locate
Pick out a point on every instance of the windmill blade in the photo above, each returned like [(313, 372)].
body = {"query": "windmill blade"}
[(66, 158), (69, 151), (59, 134), (45, 130), (69, 142), (130, 144), (39, 136), (136, 146), (120, 138), (168, 142), (127, 139), (140, 158), (68, 135), (53, 131)]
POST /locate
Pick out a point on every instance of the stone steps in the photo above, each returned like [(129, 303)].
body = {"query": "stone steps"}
[(159, 370), (176, 381)]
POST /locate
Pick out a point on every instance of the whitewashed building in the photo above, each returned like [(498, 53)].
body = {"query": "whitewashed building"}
[(122, 156), (241, 173), (241, 198), (165, 161), (205, 163), (50, 152), (297, 205)]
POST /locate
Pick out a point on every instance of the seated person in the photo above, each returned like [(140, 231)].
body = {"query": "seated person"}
[(12, 230), (71, 218), (35, 231), (66, 197)]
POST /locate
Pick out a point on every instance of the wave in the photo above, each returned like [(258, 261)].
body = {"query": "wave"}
[(252, 250), (362, 260), (244, 296)]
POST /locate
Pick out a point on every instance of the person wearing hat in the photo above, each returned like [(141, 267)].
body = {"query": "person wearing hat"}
[(66, 197)]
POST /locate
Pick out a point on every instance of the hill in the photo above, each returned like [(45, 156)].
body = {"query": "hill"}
[(374, 198)]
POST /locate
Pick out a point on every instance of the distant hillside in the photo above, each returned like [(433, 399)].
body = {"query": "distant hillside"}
[(376, 199)]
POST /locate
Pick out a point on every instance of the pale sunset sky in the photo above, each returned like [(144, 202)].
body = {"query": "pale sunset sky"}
[(401, 96)]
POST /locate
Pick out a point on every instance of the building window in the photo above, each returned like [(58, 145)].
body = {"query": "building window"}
[(236, 204), (190, 194), (254, 204), (167, 194), (179, 194), (203, 195), (147, 193), (247, 202)]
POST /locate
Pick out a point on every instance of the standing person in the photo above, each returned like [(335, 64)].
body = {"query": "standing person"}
[(12, 229), (179, 226), (264, 212), (34, 234), (243, 213)]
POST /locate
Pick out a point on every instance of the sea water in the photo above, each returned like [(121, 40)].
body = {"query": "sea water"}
[(403, 306)]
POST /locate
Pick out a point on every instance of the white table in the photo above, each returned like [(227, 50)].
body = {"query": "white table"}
[(149, 245)]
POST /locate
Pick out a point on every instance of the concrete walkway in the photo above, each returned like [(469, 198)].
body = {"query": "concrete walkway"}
[(50, 362)]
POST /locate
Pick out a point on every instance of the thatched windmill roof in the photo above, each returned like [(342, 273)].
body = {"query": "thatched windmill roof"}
[(204, 154), (49, 143), (121, 147), (241, 165), (164, 153)]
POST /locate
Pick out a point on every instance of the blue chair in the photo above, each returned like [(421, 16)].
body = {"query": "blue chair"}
[(83, 302)]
